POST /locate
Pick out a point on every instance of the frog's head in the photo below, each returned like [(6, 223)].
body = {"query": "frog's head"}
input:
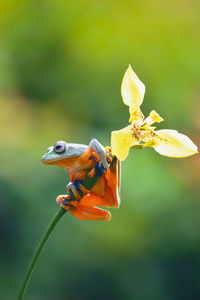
[(63, 154)]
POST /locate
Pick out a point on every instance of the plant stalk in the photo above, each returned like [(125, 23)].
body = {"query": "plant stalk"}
[(38, 251), (88, 183)]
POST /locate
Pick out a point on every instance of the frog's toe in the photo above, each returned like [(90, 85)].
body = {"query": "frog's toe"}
[(65, 202), (78, 189), (99, 169), (60, 198), (68, 204)]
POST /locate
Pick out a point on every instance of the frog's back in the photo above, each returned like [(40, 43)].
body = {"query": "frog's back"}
[(74, 150)]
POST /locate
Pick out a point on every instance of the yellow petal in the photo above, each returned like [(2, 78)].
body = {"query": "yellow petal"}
[(132, 89), (121, 141), (135, 114), (174, 144), (153, 117), (151, 143)]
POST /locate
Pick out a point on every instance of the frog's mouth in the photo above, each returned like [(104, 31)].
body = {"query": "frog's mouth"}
[(63, 162), (50, 161)]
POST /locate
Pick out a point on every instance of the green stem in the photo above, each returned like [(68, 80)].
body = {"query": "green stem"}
[(88, 183), (38, 251)]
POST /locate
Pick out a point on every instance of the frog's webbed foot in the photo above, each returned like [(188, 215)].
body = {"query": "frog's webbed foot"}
[(88, 210), (65, 202)]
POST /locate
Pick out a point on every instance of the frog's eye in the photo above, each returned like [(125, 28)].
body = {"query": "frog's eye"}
[(59, 147)]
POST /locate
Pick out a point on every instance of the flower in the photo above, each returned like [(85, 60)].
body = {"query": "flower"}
[(140, 133)]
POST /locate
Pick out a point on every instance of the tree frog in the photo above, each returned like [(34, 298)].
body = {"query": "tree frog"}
[(81, 161)]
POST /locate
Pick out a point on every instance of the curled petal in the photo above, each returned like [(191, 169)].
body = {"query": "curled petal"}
[(174, 144), (153, 117), (132, 89), (121, 141)]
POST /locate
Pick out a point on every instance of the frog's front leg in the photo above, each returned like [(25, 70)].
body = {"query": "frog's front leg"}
[(78, 191), (100, 150), (77, 188), (98, 155)]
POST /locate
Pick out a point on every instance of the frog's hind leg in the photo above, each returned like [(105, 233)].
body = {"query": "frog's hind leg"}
[(113, 176), (90, 213), (87, 208)]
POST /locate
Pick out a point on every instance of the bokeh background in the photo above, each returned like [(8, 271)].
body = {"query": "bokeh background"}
[(61, 65)]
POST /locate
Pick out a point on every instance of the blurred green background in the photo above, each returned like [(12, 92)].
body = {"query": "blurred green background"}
[(61, 66)]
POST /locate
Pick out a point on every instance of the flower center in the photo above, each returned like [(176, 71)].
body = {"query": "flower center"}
[(142, 132)]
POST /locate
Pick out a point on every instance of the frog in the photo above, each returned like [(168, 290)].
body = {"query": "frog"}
[(87, 160)]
